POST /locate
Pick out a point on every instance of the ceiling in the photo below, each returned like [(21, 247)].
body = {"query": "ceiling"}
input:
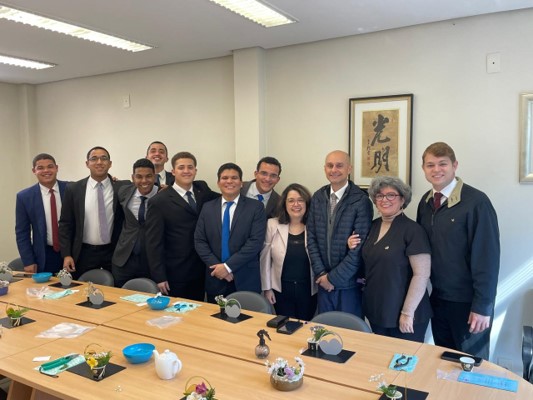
[(186, 30)]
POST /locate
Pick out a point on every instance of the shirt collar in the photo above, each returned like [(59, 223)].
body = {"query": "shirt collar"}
[(93, 182), (254, 191), (447, 191), (45, 190), (149, 195), (339, 193)]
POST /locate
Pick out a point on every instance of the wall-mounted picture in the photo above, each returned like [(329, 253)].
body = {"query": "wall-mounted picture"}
[(380, 137), (526, 138)]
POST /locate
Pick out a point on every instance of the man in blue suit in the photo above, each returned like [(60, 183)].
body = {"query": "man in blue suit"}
[(37, 219), (229, 237)]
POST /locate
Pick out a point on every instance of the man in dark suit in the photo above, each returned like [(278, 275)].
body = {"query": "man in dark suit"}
[(170, 223), (129, 259), (90, 219), (261, 188), (37, 211), (229, 237), (157, 153)]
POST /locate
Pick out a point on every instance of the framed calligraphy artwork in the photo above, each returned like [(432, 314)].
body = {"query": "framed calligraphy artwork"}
[(380, 137), (526, 138)]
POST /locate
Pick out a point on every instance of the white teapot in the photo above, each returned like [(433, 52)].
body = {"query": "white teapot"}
[(167, 364)]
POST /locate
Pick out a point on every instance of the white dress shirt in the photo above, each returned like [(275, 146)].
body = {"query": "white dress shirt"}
[(45, 193), (91, 225)]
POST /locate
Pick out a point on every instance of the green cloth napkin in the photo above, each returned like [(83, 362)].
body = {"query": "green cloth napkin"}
[(54, 371), (58, 295)]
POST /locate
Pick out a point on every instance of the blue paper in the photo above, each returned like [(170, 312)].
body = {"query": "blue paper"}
[(137, 298), (409, 367), (488, 381), (182, 307)]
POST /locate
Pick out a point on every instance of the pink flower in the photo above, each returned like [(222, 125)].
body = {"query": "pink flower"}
[(201, 388)]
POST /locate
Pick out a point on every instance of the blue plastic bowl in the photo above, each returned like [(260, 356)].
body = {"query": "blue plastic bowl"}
[(158, 303), (41, 277), (138, 353)]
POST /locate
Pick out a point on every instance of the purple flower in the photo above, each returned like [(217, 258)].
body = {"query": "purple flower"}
[(289, 372), (201, 388)]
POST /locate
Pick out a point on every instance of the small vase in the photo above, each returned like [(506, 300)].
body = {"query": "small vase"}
[(397, 395), (282, 384), (98, 373), (222, 311), (15, 321), (65, 280), (312, 345)]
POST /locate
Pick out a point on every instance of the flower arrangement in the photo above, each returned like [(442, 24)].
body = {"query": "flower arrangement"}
[(95, 356), (199, 391), (63, 273), (221, 301), (389, 390), (4, 284), (318, 331), (15, 314), (4, 267), (282, 370)]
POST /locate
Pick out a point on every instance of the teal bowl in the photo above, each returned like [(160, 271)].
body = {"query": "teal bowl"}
[(158, 303), (138, 353), (41, 277)]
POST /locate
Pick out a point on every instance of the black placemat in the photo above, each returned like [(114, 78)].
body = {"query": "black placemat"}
[(59, 285), (84, 370), (224, 317), (88, 304), (412, 394), (340, 358), (6, 323)]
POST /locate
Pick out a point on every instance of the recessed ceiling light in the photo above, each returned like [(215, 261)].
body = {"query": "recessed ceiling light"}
[(257, 11), (79, 32), (21, 62)]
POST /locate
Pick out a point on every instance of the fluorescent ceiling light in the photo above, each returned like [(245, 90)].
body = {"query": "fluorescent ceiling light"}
[(21, 62), (15, 15), (257, 11)]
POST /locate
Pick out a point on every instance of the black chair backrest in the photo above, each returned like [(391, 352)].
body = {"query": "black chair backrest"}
[(342, 320), (141, 285), (99, 276), (252, 301)]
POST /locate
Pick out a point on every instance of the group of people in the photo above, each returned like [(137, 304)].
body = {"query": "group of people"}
[(305, 253)]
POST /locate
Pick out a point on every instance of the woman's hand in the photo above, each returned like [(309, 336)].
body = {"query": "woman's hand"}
[(353, 241), (270, 296), (406, 324)]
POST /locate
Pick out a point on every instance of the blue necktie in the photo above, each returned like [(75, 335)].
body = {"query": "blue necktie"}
[(142, 210), (192, 203), (260, 197), (225, 232)]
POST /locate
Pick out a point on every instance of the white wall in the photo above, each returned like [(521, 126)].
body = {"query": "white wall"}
[(307, 87)]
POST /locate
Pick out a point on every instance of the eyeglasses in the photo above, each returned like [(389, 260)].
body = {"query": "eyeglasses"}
[(388, 196), (265, 174), (295, 201), (101, 158)]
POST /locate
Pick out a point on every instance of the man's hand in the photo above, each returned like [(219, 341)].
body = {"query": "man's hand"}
[(270, 296), (164, 288), (324, 283), (219, 271), (478, 323), (68, 264), (32, 268), (229, 278), (406, 324)]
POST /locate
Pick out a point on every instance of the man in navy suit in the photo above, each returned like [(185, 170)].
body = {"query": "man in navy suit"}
[(129, 259), (36, 220), (229, 237), (157, 153), (90, 220)]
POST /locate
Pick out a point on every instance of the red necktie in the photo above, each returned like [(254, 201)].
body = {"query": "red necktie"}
[(437, 196), (55, 228)]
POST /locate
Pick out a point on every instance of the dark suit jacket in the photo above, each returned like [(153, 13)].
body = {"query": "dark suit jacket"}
[(169, 235), (272, 204), (131, 229), (73, 217), (169, 179), (30, 227), (247, 236)]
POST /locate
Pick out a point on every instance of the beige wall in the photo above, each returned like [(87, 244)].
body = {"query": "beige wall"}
[(305, 93)]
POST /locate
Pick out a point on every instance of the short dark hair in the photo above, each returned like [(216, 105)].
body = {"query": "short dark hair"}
[(157, 142), (143, 163), (283, 215), (98, 148), (43, 156), (225, 167), (269, 160), (439, 149), (183, 154), (381, 182)]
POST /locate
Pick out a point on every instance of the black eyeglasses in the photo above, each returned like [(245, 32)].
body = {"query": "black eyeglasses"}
[(388, 196), (94, 159)]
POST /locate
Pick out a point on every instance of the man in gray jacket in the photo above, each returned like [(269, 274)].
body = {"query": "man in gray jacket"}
[(337, 211)]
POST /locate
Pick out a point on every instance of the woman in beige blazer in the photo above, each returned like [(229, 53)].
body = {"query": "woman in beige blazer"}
[(286, 275)]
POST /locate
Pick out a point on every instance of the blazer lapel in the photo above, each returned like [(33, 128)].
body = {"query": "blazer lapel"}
[(39, 210), (179, 200), (237, 213), (283, 231)]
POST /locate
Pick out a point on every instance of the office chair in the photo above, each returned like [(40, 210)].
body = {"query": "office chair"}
[(141, 285), (342, 320), (16, 264), (99, 276), (252, 301)]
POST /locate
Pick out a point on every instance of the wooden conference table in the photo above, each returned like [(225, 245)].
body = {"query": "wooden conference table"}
[(220, 351)]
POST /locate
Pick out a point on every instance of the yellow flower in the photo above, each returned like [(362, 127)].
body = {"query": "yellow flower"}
[(92, 362)]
